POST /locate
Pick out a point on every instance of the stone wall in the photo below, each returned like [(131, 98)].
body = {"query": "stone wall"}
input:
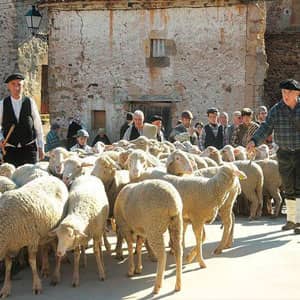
[(98, 60), (19, 51), (282, 46)]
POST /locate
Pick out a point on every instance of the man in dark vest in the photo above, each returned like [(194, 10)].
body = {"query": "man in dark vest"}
[(212, 132), (25, 143)]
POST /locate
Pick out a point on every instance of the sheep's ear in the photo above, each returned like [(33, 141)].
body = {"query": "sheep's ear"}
[(79, 234), (84, 164), (241, 175), (53, 232), (236, 151)]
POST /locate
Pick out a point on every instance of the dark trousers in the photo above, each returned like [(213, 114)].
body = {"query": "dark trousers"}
[(289, 168), (21, 156)]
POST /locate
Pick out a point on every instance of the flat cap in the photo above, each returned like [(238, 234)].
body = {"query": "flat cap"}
[(14, 77), (212, 110), (155, 118), (187, 114), (129, 116), (82, 133), (289, 84)]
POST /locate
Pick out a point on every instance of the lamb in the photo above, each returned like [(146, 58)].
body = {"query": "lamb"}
[(86, 219), (6, 184), (135, 215), (7, 170), (272, 182), (57, 157), (27, 215), (202, 197), (178, 163), (26, 173)]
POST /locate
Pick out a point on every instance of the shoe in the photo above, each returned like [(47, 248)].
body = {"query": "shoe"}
[(288, 226), (297, 228)]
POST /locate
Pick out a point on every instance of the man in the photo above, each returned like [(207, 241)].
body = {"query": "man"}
[(129, 120), (52, 138), (157, 121), (212, 134), (244, 132), (25, 144), (101, 137), (138, 128), (284, 119), (184, 131), (236, 121), (262, 113), (82, 138), (223, 119), (73, 128)]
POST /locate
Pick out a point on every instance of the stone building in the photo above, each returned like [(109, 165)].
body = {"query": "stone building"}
[(19, 51), (108, 57), (282, 45)]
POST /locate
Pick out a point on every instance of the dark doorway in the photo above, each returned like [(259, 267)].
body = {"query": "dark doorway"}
[(150, 109), (44, 91)]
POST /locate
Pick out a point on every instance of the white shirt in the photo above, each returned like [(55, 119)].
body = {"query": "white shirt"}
[(37, 123)]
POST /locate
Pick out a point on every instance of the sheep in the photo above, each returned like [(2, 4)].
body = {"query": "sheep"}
[(213, 153), (123, 158), (26, 173), (272, 182), (141, 143), (227, 153), (99, 147), (27, 215), (7, 170), (178, 163), (6, 184), (56, 158), (202, 197), (262, 152), (240, 153), (86, 219), (136, 215)]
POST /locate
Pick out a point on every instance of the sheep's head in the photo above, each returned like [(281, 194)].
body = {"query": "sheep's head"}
[(122, 160), (179, 164), (105, 168), (262, 152), (240, 153), (73, 168), (7, 170), (67, 237), (138, 161), (57, 158), (141, 143), (228, 153), (213, 153), (99, 147), (231, 172)]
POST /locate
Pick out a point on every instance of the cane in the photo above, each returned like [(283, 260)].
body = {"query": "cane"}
[(10, 131)]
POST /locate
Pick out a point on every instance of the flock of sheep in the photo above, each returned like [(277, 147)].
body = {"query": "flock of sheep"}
[(144, 187)]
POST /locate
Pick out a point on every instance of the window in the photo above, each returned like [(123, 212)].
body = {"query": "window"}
[(98, 119), (158, 48)]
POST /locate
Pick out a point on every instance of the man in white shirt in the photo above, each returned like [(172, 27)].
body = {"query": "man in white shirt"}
[(25, 144)]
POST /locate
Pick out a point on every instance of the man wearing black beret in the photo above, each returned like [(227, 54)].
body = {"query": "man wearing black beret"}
[(21, 132), (157, 121), (284, 119)]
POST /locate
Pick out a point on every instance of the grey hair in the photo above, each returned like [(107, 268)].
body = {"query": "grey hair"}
[(139, 113), (224, 113)]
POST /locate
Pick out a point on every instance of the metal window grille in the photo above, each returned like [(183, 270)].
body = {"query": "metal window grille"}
[(158, 48)]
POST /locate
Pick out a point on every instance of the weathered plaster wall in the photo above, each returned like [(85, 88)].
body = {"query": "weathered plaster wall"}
[(97, 60)]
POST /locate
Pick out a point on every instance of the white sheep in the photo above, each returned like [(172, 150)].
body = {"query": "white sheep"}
[(56, 160), (7, 170), (6, 184), (86, 219), (26, 173), (202, 197), (27, 215), (136, 215)]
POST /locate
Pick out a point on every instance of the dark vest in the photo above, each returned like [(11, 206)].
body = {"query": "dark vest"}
[(134, 133), (24, 131), (211, 140)]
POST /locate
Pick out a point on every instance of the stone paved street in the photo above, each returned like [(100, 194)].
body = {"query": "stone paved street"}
[(263, 264)]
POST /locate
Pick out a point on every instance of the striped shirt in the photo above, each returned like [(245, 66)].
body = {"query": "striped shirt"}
[(286, 125), (243, 134)]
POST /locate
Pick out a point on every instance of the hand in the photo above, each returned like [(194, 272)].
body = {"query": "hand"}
[(41, 153), (251, 147), (1, 144), (191, 131)]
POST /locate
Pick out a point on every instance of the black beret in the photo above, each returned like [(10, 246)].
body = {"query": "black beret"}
[(14, 77), (212, 110), (289, 84), (129, 116), (155, 118)]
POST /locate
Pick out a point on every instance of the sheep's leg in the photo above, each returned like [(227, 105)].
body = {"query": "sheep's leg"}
[(192, 254), (106, 243), (6, 289), (99, 258), (278, 200), (176, 235), (56, 275), (183, 234), (37, 284), (45, 270), (254, 206), (151, 254), (230, 237), (198, 231), (129, 242), (75, 281), (119, 250), (226, 218), (157, 244), (84, 257), (139, 245)]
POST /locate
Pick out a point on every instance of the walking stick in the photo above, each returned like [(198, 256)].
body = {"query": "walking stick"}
[(10, 131)]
